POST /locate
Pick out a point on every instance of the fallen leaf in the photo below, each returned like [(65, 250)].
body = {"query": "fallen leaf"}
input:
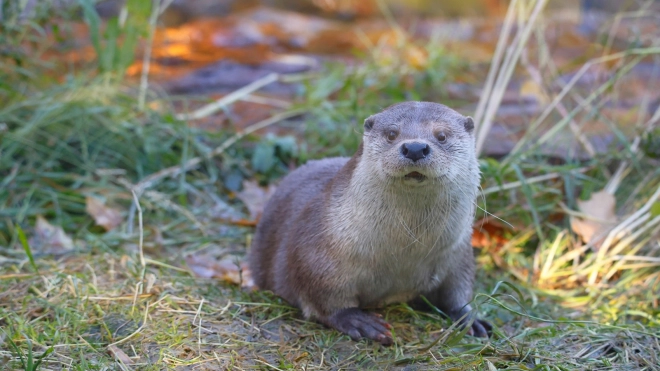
[(105, 216), (229, 270), (49, 239), (119, 355), (255, 197), (301, 356), (486, 233), (600, 217)]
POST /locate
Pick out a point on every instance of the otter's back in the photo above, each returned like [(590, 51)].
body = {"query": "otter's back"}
[(293, 193)]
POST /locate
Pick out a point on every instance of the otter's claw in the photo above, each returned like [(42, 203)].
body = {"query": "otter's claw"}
[(480, 328), (359, 324)]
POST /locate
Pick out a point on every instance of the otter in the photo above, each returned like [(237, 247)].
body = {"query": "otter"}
[(388, 225)]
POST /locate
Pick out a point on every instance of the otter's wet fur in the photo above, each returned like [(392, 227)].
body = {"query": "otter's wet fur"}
[(387, 225)]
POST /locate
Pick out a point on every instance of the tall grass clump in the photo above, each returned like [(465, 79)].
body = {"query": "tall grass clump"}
[(618, 273), (65, 138)]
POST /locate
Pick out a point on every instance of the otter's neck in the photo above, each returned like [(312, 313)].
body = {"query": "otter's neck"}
[(366, 212)]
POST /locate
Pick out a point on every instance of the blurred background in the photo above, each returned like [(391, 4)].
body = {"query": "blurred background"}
[(215, 47), (140, 140)]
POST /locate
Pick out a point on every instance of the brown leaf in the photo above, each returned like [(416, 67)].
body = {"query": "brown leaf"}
[(600, 209), (105, 216), (49, 239), (488, 232), (255, 197), (225, 269), (119, 355)]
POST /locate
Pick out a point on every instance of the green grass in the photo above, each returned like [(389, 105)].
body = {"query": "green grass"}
[(100, 303)]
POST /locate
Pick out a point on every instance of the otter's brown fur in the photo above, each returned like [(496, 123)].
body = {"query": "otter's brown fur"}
[(387, 225)]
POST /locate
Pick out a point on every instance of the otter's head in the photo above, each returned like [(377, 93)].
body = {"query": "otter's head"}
[(421, 143)]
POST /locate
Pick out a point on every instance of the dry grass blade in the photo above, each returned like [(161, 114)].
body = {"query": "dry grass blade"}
[(637, 218), (546, 271), (143, 264), (531, 180), (505, 72), (531, 130), (507, 25), (536, 76), (614, 182), (156, 9), (214, 107)]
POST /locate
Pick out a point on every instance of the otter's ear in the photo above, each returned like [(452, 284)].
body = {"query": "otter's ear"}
[(468, 124), (369, 123)]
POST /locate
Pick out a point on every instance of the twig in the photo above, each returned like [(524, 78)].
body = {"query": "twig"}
[(154, 178), (267, 101), (211, 108), (138, 290), (536, 179), (198, 314), (165, 265)]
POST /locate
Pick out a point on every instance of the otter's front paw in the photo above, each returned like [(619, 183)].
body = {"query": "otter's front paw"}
[(480, 328), (359, 324)]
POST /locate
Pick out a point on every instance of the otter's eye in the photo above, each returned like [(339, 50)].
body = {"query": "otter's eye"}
[(391, 135), (442, 137)]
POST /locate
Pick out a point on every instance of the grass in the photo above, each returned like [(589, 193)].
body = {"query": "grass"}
[(125, 299)]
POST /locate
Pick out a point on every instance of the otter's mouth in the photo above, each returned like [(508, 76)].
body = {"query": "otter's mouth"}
[(416, 176)]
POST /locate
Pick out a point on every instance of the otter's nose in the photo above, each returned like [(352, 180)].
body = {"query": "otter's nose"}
[(415, 150)]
